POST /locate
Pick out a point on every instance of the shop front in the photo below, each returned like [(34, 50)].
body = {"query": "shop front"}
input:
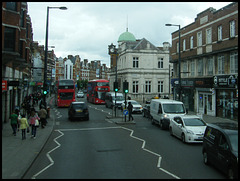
[(226, 96)]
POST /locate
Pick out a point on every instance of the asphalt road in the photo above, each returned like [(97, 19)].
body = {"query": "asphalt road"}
[(101, 149)]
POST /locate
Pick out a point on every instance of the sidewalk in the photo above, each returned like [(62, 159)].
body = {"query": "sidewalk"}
[(18, 154)]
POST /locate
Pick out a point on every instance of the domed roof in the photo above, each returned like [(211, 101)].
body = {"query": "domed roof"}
[(126, 36)]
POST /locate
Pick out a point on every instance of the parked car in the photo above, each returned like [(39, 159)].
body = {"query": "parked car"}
[(78, 110), (146, 111), (137, 108), (189, 128), (80, 95), (220, 147), (162, 110)]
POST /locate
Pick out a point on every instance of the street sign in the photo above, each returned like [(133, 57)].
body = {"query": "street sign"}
[(125, 112)]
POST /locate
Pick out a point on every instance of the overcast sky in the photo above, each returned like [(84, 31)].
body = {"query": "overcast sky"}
[(87, 28)]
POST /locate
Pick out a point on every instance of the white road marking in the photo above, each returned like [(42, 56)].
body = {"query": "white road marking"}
[(90, 129)]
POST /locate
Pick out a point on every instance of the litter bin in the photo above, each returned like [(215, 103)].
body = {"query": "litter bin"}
[(48, 112)]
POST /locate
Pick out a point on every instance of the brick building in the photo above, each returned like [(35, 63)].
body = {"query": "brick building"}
[(209, 62), (16, 55)]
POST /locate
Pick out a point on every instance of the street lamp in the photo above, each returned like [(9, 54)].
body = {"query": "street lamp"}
[(179, 59), (114, 51), (46, 53)]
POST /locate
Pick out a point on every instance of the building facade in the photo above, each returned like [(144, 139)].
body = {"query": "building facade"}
[(144, 66), (16, 55), (209, 62)]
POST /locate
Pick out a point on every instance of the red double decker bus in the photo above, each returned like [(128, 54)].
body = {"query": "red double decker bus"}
[(65, 93), (96, 91)]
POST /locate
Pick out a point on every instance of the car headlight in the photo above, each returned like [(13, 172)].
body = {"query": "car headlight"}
[(165, 115), (190, 132)]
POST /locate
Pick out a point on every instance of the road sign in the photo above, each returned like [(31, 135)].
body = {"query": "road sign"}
[(125, 112)]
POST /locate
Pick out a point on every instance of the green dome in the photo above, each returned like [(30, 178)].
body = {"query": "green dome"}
[(126, 36)]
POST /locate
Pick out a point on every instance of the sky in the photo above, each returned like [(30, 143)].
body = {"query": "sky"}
[(87, 28)]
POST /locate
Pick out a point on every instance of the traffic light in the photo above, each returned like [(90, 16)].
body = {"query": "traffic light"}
[(45, 91), (125, 87), (115, 85)]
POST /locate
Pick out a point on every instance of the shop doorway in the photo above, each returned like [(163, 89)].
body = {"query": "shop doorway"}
[(205, 103)]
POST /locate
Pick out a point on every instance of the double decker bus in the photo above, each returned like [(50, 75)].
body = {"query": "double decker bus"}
[(65, 93), (96, 91)]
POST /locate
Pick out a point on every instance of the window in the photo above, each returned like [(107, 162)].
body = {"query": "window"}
[(193, 68), (177, 47), (184, 45), (209, 36), (160, 63), (9, 39), (11, 6), (199, 39), (191, 42), (148, 87), (185, 69), (220, 33), (160, 86), (221, 64), (233, 62), (232, 29), (135, 62), (210, 66), (200, 67), (22, 18), (135, 86)]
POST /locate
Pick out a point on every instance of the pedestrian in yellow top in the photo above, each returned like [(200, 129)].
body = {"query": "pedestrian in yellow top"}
[(23, 126)]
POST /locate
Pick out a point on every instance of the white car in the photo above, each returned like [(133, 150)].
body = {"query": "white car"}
[(80, 94), (189, 128), (136, 106)]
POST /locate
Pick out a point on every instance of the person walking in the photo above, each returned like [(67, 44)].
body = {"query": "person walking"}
[(32, 121), (43, 116), (14, 122), (23, 126), (130, 108)]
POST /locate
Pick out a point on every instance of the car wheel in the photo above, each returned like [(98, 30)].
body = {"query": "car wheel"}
[(183, 138), (152, 121), (230, 173), (170, 130), (143, 114), (205, 158), (161, 124)]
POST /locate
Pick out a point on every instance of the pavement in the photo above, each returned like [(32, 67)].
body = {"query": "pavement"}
[(18, 155)]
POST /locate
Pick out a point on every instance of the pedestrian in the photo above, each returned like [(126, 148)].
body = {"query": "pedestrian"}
[(14, 122), (32, 120), (43, 116), (23, 126), (130, 108)]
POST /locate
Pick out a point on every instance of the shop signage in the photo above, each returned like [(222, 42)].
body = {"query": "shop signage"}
[(13, 83), (225, 80), (4, 85)]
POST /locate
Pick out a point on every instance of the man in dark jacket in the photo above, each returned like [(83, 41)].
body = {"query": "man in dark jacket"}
[(130, 108)]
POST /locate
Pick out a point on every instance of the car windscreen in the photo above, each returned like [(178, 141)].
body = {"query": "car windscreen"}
[(132, 102), (78, 106), (173, 108), (118, 98), (234, 141), (194, 122)]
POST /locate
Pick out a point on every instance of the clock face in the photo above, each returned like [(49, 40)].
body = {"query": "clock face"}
[(111, 50)]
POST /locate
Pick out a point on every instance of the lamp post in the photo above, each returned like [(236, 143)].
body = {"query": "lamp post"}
[(179, 60), (46, 53), (114, 51)]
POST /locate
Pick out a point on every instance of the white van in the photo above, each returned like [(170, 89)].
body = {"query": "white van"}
[(162, 110), (110, 99)]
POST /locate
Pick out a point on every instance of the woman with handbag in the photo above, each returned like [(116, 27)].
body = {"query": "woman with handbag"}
[(34, 122)]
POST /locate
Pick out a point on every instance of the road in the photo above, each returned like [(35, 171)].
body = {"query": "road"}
[(101, 149)]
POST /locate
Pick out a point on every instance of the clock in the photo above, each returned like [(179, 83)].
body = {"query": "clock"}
[(112, 49)]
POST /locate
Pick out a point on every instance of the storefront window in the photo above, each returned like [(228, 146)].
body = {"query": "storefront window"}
[(201, 101), (227, 104)]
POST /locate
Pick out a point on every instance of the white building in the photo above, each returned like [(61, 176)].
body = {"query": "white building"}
[(68, 69), (145, 66)]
